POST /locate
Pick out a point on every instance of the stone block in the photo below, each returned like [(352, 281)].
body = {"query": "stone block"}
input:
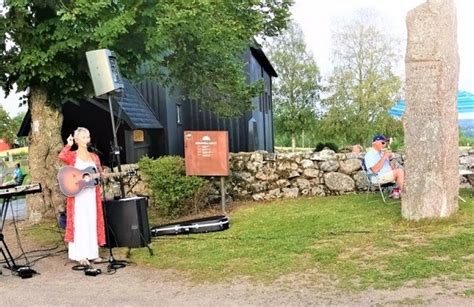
[(431, 116), (311, 173), (329, 166), (349, 166), (339, 182), (290, 192)]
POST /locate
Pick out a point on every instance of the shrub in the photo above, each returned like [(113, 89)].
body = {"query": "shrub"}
[(332, 146), (320, 146), (466, 141), (172, 190), (397, 145)]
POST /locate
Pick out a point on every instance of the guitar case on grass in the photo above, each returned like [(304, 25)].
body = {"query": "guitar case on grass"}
[(202, 225)]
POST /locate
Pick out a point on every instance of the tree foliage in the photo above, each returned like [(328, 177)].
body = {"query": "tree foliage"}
[(194, 44), (15, 125), (297, 89), (9, 127), (363, 85), (4, 125)]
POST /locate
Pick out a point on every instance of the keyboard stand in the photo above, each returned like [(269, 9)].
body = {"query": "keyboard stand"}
[(10, 262), (6, 193)]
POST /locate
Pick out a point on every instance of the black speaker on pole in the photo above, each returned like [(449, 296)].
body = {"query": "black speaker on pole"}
[(126, 222)]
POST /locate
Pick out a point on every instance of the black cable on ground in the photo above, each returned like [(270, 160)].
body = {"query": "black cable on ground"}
[(111, 268), (88, 270), (115, 265), (80, 267), (18, 240), (38, 257)]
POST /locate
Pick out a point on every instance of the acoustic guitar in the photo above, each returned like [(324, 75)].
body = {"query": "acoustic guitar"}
[(73, 180)]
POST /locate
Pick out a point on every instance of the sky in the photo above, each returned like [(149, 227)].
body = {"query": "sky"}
[(317, 18)]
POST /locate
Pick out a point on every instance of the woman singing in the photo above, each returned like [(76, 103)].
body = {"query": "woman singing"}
[(85, 220)]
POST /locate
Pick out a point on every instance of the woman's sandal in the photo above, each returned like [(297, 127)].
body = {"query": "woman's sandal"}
[(84, 262)]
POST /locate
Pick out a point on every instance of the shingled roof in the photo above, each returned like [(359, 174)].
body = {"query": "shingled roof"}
[(130, 107)]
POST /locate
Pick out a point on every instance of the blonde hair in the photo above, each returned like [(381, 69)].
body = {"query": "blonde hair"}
[(78, 131)]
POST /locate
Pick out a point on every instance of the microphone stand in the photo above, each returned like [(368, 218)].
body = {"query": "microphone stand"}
[(115, 148), (115, 156)]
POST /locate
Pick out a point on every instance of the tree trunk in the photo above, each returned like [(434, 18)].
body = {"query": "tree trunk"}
[(45, 144), (293, 142)]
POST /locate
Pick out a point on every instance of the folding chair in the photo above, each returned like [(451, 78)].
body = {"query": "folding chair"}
[(382, 188), (20, 181)]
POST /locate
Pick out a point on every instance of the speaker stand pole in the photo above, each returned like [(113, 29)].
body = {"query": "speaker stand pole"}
[(116, 148), (113, 264), (150, 251)]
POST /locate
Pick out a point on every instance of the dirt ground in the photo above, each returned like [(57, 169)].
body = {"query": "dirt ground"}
[(57, 284)]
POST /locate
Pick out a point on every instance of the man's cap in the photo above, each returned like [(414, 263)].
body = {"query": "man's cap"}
[(380, 137)]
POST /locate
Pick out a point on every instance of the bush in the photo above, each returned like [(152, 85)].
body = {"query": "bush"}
[(172, 190), (320, 146), (466, 141), (332, 146), (397, 145)]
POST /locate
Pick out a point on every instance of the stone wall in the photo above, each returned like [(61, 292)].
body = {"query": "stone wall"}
[(264, 176)]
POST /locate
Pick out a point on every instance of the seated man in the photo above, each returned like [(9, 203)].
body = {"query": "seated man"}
[(380, 161), (18, 177)]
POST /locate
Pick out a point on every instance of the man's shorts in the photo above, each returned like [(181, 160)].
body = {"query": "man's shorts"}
[(384, 178)]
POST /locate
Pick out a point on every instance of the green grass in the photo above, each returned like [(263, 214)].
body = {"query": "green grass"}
[(44, 234), (469, 293), (358, 242)]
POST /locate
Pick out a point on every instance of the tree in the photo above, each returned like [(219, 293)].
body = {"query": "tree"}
[(5, 132), (363, 86), (296, 91), (15, 127), (9, 127), (195, 45)]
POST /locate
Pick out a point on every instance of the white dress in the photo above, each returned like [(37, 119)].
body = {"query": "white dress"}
[(85, 244)]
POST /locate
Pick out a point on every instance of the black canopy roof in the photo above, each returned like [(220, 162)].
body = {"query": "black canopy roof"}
[(130, 106)]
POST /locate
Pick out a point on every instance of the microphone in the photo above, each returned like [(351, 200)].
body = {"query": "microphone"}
[(94, 149)]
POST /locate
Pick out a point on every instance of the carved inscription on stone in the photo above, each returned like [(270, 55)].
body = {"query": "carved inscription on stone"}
[(423, 78)]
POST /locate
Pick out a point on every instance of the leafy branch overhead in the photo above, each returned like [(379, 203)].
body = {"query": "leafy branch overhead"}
[(196, 45)]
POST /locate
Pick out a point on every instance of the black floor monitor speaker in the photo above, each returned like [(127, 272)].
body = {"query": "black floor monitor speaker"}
[(126, 222)]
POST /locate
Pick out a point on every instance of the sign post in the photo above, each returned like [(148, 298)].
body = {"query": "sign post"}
[(207, 154)]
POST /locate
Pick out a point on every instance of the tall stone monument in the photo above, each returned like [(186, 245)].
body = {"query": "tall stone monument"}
[(431, 118)]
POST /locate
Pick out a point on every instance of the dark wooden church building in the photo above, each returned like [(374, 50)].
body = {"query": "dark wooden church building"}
[(151, 119)]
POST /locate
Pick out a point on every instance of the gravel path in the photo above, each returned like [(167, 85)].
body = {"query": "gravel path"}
[(57, 285)]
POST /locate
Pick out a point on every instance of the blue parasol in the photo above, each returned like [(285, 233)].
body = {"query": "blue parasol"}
[(465, 106)]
